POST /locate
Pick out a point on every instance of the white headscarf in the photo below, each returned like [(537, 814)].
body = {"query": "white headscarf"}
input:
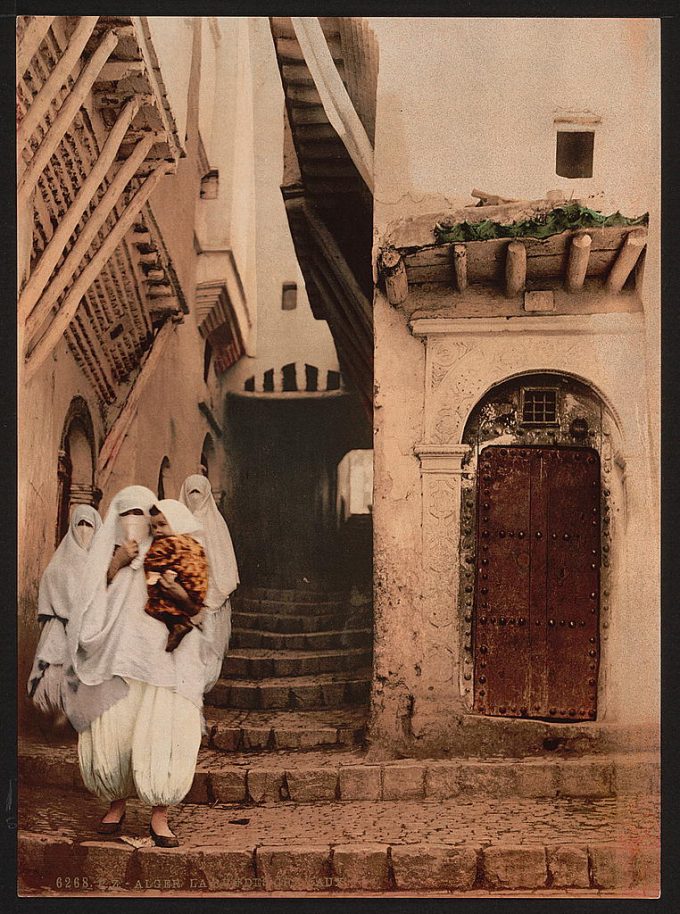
[(98, 607), (222, 568), (61, 579), (178, 516)]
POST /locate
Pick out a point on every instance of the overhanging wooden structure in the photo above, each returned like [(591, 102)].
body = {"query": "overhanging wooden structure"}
[(329, 207)]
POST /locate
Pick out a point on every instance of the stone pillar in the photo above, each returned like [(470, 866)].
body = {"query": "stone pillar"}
[(441, 471)]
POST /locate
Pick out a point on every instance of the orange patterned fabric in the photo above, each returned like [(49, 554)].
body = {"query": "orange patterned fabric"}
[(182, 554)]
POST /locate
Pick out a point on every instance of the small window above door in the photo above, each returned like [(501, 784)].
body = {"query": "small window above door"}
[(538, 406)]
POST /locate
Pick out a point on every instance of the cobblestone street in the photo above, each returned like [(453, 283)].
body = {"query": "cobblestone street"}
[(462, 844)]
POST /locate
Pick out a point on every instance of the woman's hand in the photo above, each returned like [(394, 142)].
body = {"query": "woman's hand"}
[(177, 593), (124, 554)]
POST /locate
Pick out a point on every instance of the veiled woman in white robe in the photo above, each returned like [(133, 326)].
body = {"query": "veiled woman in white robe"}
[(223, 577), (47, 683), (147, 742)]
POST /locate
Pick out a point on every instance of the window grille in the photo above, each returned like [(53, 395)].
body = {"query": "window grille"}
[(539, 406)]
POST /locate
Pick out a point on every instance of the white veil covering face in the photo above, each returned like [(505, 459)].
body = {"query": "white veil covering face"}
[(215, 539), (99, 606), (59, 586), (61, 579)]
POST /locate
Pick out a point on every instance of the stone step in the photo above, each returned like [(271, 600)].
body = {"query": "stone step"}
[(476, 848), (289, 607), (325, 690), (234, 730), (288, 595), (313, 641), (349, 775), (260, 663), (302, 624)]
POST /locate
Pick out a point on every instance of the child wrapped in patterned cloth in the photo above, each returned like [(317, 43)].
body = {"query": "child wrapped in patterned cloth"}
[(176, 570)]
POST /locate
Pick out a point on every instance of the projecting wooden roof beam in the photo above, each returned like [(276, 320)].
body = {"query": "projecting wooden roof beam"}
[(460, 266), (39, 349), (54, 250), (289, 50), (87, 236), (33, 37), (394, 274), (115, 70), (65, 116), (57, 78), (626, 260), (515, 268), (577, 264)]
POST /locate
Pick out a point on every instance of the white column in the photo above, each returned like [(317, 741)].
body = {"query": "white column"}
[(441, 469)]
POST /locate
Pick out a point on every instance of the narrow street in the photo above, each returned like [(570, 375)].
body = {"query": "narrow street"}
[(345, 366), (287, 798)]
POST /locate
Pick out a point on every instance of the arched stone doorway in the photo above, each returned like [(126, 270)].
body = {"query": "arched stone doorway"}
[(537, 547), (76, 465), (207, 461), (164, 487)]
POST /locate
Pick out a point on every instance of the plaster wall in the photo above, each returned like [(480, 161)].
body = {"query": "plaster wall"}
[(282, 336), (480, 113), (172, 38), (421, 665), (455, 127)]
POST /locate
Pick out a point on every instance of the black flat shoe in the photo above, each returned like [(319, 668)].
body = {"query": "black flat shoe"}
[(111, 828), (163, 840)]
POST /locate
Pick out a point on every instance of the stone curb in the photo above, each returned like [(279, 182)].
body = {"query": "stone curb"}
[(402, 780), (65, 866)]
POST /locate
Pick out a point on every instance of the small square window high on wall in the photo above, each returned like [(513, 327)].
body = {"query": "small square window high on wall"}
[(289, 296), (574, 156), (575, 143)]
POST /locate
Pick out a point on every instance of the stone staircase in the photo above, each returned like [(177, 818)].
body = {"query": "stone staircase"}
[(286, 801), (296, 650)]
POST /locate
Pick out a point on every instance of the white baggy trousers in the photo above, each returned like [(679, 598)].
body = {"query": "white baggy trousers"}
[(145, 744)]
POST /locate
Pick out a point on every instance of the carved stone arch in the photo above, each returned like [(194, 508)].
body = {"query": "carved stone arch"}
[(163, 487), (616, 424), (208, 456), (495, 419), (76, 464)]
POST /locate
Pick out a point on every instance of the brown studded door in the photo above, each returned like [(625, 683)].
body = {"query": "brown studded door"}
[(537, 589)]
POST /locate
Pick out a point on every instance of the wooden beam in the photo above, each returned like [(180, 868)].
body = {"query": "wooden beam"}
[(394, 274), (321, 236), (577, 265), (87, 235), (115, 70), (40, 348), (515, 268), (35, 33), (66, 227), (66, 114), (333, 94), (118, 432), (460, 266), (626, 260), (56, 79)]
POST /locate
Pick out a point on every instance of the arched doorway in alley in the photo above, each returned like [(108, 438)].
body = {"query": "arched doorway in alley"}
[(283, 504), (164, 488), (300, 653), (76, 465), (354, 506), (538, 545), (207, 459)]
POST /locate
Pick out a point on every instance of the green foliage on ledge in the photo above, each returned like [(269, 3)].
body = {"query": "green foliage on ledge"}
[(561, 219)]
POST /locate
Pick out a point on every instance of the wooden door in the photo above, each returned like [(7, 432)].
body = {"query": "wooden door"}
[(536, 647)]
